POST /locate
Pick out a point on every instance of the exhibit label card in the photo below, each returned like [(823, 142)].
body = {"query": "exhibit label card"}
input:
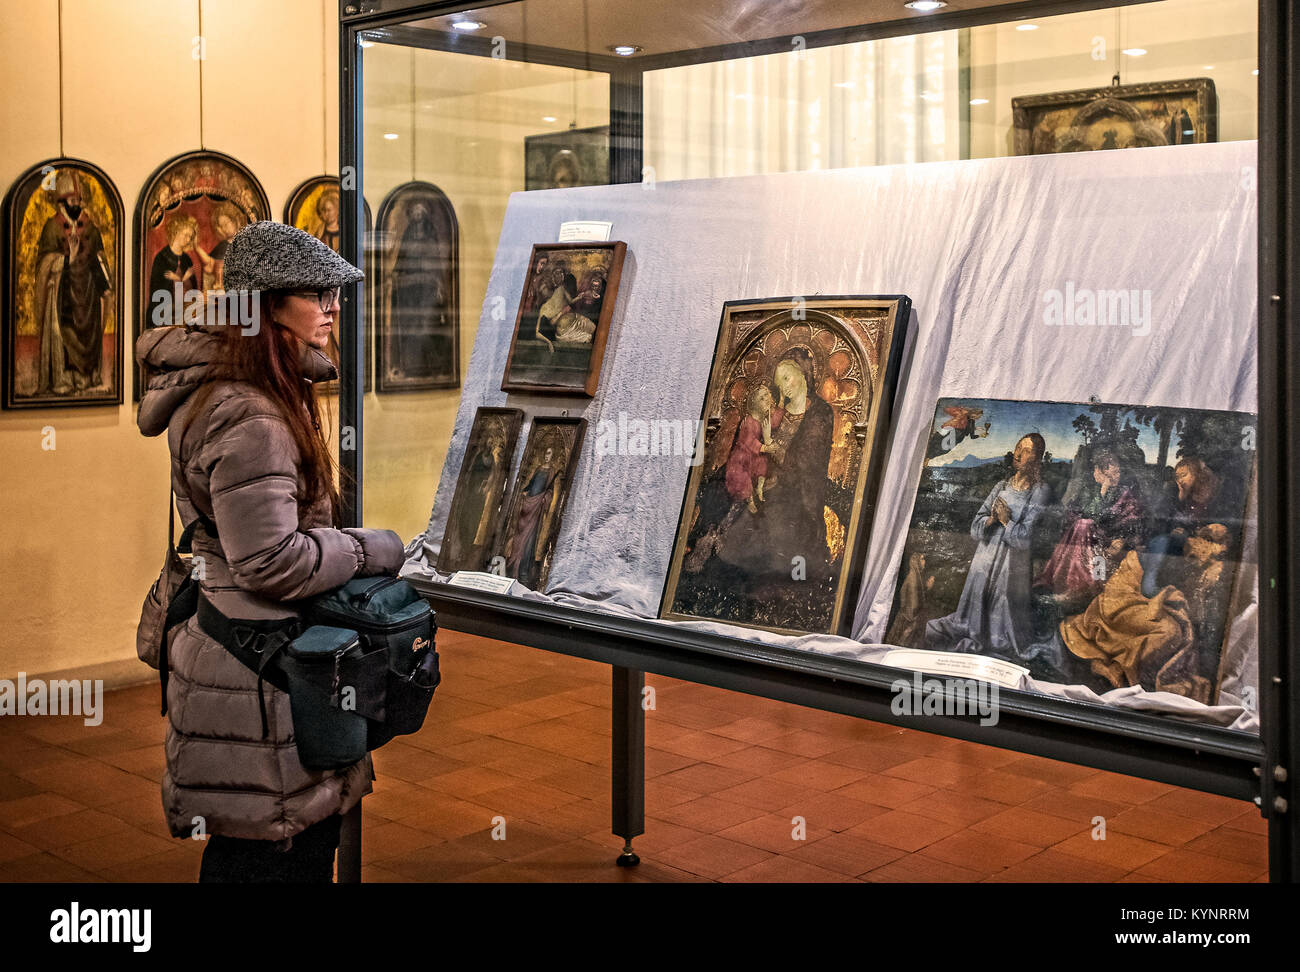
[(585, 231), (957, 663), (480, 581)]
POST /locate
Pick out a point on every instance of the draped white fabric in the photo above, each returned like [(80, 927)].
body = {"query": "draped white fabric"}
[(870, 103)]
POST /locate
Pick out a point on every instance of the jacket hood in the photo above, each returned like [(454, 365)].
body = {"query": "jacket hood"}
[(179, 359)]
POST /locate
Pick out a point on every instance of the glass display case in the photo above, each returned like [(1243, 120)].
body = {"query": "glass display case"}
[(860, 355)]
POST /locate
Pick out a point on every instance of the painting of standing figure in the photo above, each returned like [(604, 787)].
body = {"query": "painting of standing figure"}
[(62, 322), (772, 526), (563, 319), (417, 290), (526, 539), (476, 506), (1092, 543)]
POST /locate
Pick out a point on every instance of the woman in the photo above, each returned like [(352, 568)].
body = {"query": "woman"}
[(993, 612), (247, 452), (1096, 536)]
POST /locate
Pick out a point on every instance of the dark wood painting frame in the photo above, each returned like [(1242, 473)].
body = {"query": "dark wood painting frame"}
[(1118, 101), (865, 436), (300, 197), (609, 298), (563, 480), (249, 202), (490, 515), (114, 276), (382, 255)]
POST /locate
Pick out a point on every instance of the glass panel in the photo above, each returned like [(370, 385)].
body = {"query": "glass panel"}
[(444, 144)]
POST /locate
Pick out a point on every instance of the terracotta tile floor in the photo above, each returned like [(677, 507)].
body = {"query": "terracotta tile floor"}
[(738, 789)]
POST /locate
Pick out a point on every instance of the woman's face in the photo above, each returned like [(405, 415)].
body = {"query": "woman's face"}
[(1106, 476), (303, 318), (788, 379)]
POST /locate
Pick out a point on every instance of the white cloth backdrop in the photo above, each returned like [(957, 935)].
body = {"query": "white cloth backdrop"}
[(976, 245)]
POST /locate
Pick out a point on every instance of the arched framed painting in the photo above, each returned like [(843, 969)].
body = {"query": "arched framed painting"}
[(774, 522), (63, 288), (416, 305), (315, 206), (187, 212)]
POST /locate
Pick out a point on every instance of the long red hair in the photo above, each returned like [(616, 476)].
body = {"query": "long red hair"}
[(270, 360)]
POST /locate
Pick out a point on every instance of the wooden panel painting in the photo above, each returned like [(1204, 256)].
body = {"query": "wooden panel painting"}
[(797, 410), (475, 512), (188, 211), (1116, 116), (63, 272), (559, 160), (526, 540), (562, 323), (1092, 543)]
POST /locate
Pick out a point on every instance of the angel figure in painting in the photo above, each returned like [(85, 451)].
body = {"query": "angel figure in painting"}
[(71, 280), (526, 548), (485, 473), (993, 614)]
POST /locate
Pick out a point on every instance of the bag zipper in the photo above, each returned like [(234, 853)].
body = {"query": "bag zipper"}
[(364, 599)]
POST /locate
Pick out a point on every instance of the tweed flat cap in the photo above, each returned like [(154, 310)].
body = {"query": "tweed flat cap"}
[(275, 256)]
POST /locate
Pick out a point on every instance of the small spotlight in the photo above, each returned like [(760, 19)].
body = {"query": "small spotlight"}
[(1255, 72), (1207, 67), (1026, 26), (390, 135), (624, 50), (548, 118), (979, 101), (467, 25), (925, 6), (1134, 51)]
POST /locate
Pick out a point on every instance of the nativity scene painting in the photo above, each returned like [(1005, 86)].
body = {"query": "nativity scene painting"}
[(1094, 544), (475, 511), (526, 539), (563, 319), (772, 527), (417, 290), (188, 211), (63, 315)]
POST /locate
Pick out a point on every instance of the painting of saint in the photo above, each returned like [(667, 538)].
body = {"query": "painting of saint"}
[(189, 209), (559, 160), (63, 338), (526, 540), (1094, 544), (315, 206), (417, 290), (772, 524), (475, 511), (563, 319)]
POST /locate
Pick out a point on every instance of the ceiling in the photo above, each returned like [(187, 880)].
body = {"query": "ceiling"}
[(663, 26)]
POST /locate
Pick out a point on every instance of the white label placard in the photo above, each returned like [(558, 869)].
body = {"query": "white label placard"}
[(480, 581), (957, 664), (585, 230)]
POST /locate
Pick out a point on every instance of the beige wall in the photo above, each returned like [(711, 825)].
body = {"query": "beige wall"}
[(84, 525)]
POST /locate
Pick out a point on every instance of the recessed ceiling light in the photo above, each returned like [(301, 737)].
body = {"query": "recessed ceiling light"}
[(624, 50), (979, 101), (925, 6), (1026, 26), (390, 135), (548, 118), (467, 25), (1208, 67), (1255, 72), (1134, 51)]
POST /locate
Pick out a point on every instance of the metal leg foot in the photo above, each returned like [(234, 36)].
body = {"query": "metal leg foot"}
[(628, 858)]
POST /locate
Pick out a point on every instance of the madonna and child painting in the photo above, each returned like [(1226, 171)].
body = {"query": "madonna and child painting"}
[(1094, 544)]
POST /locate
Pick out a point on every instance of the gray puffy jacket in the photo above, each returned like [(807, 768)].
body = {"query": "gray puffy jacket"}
[(239, 466)]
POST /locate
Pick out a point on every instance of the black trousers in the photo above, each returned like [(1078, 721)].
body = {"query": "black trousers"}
[(309, 858)]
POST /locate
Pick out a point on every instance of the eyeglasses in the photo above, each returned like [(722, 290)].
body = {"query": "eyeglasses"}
[(325, 298)]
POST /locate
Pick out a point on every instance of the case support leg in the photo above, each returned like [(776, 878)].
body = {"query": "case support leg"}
[(628, 760)]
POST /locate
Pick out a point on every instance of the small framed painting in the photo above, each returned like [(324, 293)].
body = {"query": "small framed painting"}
[(526, 539), (481, 486), (563, 319)]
